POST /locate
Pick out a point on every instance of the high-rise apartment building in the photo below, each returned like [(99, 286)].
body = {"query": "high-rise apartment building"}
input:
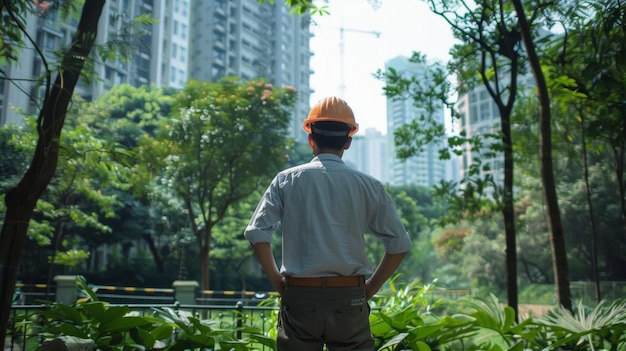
[(248, 39), (425, 168), (151, 53), (479, 115), (172, 38), (191, 39), (368, 153)]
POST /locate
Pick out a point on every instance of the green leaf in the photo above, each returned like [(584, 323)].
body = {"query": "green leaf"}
[(519, 346), (162, 332), (143, 337), (124, 324), (398, 339), (95, 310), (64, 328)]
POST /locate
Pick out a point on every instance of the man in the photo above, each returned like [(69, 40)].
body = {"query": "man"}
[(325, 208)]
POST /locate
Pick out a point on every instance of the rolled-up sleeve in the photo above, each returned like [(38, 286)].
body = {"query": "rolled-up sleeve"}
[(387, 225), (266, 216)]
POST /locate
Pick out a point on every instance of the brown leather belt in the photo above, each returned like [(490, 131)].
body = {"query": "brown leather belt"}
[(329, 282)]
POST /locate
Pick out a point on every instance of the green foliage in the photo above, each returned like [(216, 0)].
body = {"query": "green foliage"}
[(227, 138), (542, 294), (602, 328), (110, 327), (118, 327), (81, 196), (406, 320), (404, 317), (12, 164), (194, 332)]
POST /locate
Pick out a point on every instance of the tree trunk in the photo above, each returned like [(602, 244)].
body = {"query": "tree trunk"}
[(509, 217), (22, 199), (158, 262), (204, 269), (592, 219), (557, 240)]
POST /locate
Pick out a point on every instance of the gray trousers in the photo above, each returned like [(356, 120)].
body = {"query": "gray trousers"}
[(311, 317)]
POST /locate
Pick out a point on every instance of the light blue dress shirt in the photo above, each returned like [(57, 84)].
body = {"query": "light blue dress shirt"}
[(325, 207)]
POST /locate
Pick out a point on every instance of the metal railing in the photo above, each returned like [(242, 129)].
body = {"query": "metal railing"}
[(21, 338)]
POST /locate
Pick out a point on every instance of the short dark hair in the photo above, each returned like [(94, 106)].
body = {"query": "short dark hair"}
[(330, 134)]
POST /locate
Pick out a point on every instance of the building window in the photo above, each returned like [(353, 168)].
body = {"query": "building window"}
[(49, 43), (183, 54), (172, 74), (485, 110), (185, 7), (174, 50)]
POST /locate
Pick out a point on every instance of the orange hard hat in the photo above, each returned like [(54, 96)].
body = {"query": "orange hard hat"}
[(331, 109)]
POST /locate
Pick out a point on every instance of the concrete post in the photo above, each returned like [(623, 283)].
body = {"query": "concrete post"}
[(185, 291), (66, 289)]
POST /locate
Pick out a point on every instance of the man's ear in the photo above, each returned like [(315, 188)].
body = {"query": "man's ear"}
[(311, 141), (346, 146)]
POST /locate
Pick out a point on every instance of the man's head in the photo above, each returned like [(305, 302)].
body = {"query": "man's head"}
[(331, 124), (330, 134)]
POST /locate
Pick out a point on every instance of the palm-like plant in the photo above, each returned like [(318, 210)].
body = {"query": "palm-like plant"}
[(601, 328)]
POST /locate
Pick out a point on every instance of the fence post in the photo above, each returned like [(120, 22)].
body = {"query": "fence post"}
[(239, 319), (66, 289), (185, 291)]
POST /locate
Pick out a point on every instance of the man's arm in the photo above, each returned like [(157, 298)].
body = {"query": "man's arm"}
[(385, 269), (263, 253)]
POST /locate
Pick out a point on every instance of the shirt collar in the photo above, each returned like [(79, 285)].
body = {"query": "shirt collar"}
[(328, 157)]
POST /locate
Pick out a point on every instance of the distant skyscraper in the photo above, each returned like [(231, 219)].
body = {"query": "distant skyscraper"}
[(424, 168), (368, 153), (191, 39)]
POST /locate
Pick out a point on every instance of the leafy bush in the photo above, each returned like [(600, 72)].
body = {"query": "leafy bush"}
[(402, 318), (405, 321), (601, 328), (118, 328)]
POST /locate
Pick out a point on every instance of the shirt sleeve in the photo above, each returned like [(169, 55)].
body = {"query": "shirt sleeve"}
[(387, 225), (266, 217)]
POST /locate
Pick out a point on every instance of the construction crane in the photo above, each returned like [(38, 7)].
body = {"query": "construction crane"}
[(342, 29)]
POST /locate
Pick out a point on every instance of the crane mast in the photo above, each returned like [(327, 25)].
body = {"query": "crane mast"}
[(342, 29)]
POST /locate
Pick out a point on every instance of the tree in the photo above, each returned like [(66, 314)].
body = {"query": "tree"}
[(21, 200), (557, 240), (488, 55), (226, 141)]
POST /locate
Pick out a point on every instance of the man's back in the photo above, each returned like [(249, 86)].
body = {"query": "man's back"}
[(327, 208)]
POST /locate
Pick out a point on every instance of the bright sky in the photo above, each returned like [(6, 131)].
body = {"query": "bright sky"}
[(404, 25)]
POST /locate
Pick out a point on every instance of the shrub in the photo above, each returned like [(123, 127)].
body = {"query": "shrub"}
[(402, 318)]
